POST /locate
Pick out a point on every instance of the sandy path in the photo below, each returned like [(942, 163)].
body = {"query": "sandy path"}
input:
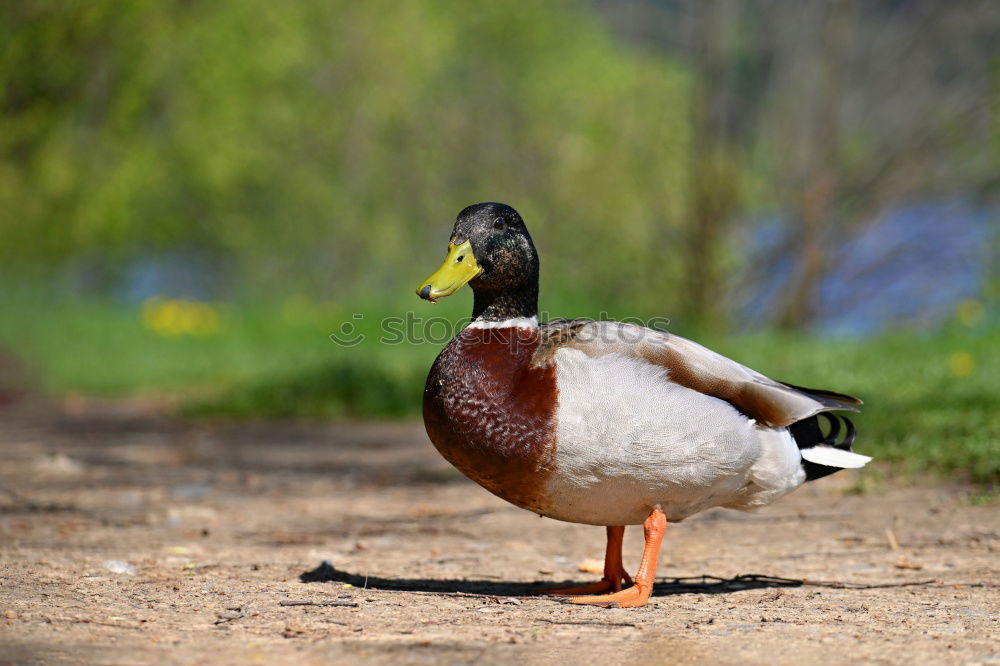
[(230, 517)]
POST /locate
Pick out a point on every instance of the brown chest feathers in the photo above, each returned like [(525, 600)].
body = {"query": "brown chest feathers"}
[(492, 413)]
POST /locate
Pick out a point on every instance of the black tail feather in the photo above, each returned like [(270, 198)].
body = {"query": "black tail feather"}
[(831, 437), (808, 433), (848, 441)]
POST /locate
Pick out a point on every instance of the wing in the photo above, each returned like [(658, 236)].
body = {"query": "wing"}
[(693, 366)]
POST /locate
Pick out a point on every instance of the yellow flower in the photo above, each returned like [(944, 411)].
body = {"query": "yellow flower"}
[(969, 312), (962, 364), (170, 317)]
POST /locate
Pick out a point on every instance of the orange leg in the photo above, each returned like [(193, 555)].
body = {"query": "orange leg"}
[(638, 594), (614, 571)]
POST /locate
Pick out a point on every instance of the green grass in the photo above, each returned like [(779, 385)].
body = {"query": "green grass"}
[(103, 348), (932, 401)]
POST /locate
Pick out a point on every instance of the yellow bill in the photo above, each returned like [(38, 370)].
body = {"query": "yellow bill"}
[(458, 268)]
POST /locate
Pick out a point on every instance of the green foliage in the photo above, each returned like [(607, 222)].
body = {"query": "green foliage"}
[(331, 142)]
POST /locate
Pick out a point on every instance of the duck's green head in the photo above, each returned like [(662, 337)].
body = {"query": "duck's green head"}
[(490, 249)]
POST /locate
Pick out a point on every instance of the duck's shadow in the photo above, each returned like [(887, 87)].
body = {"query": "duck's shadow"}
[(705, 584)]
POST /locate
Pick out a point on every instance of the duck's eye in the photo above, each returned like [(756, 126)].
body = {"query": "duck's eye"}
[(498, 224)]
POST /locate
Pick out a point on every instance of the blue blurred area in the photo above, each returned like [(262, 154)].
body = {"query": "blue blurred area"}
[(189, 274), (908, 267)]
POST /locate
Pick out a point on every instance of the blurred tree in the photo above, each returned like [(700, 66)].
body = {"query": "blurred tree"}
[(837, 111), (890, 109), (715, 158), (325, 145), (322, 146)]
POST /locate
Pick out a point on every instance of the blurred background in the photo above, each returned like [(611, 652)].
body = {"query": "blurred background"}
[(196, 195)]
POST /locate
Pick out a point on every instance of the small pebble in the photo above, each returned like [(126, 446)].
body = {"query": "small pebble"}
[(119, 567)]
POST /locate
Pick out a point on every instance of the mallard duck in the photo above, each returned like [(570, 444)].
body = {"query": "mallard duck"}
[(608, 423)]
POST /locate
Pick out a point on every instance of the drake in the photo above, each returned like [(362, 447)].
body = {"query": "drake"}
[(607, 423)]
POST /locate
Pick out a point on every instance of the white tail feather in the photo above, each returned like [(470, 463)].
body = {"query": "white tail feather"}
[(831, 457)]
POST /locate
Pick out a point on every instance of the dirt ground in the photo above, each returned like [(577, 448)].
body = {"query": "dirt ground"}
[(128, 537)]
